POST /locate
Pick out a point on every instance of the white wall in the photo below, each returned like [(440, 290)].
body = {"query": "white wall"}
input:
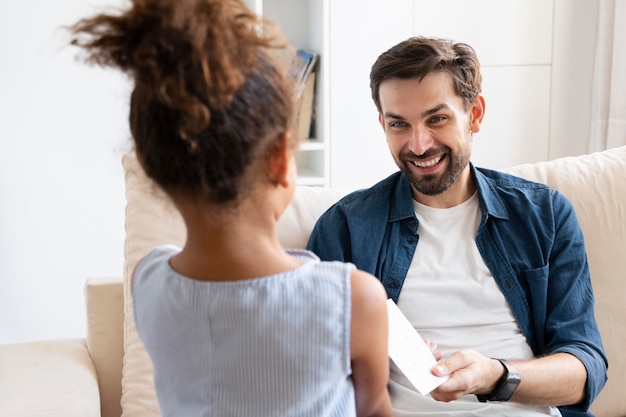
[(63, 128), (574, 36)]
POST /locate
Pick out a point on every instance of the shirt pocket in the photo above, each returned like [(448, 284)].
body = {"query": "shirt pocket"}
[(538, 276), (537, 279)]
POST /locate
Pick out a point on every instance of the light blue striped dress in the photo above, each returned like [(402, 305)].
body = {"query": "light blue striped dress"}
[(273, 346)]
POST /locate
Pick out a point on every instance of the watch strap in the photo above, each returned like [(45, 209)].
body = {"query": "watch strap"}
[(505, 386)]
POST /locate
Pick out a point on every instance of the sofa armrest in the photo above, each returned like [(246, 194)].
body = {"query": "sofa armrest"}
[(104, 300), (54, 378)]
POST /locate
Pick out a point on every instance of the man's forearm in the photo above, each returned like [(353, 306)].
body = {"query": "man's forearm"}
[(554, 380)]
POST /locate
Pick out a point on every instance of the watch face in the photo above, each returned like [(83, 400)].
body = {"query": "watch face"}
[(507, 389)]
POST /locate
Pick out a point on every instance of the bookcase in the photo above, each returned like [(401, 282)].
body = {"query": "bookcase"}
[(306, 24)]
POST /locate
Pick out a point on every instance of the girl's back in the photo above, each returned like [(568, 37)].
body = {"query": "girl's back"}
[(272, 346)]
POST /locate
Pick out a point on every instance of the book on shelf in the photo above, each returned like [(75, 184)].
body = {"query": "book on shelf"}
[(304, 72)]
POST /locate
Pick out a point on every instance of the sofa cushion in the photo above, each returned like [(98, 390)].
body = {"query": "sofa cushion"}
[(53, 378), (151, 219)]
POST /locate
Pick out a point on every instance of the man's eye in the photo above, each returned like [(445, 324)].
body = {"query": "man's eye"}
[(397, 124), (437, 119)]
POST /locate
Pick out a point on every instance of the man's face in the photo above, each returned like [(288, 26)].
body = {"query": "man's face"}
[(429, 133)]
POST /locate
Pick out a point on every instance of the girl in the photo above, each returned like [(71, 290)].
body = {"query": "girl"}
[(234, 324)]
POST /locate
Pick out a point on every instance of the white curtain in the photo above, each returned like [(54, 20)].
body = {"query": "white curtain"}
[(608, 110)]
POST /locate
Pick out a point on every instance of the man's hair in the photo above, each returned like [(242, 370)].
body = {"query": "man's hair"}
[(419, 56)]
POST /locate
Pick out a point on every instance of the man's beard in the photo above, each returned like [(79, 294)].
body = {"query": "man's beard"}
[(434, 184)]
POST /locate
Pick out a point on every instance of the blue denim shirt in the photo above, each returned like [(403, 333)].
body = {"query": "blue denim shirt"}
[(529, 238)]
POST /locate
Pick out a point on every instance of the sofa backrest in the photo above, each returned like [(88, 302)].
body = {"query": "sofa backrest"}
[(596, 185)]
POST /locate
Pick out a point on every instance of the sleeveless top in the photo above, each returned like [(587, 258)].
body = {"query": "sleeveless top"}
[(271, 346)]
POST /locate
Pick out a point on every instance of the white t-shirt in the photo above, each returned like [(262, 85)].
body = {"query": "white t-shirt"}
[(451, 298)]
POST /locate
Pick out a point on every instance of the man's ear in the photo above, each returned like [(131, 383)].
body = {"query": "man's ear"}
[(477, 112), (381, 120), (280, 161)]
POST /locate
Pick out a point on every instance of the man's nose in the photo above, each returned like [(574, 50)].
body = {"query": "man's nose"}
[(421, 140)]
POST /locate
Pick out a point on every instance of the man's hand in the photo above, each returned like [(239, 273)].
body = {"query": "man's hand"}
[(552, 380), (470, 373)]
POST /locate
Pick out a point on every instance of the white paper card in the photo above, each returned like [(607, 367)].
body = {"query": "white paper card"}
[(410, 353)]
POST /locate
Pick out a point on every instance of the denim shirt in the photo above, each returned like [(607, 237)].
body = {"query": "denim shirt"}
[(529, 238)]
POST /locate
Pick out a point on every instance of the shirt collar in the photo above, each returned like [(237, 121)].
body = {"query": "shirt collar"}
[(401, 200), (490, 202)]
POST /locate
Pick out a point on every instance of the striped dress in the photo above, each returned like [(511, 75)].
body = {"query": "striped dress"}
[(271, 346)]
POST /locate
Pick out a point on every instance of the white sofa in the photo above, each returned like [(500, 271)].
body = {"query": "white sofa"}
[(108, 374)]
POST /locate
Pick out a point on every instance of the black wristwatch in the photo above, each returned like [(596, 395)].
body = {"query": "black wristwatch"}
[(505, 387)]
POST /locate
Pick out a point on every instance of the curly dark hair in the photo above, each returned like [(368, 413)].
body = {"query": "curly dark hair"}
[(418, 56), (212, 91)]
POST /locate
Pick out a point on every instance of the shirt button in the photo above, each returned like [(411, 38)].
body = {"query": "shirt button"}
[(394, 284), (411, 241)]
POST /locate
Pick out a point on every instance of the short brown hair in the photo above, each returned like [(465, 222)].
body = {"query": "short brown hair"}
[(419, 56)]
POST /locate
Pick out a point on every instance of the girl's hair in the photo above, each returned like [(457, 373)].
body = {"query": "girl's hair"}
[(419, 56), (212, 94)]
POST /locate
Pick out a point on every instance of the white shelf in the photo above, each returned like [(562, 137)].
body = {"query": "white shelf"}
[(311, 181), (306, 24), (312, 145)]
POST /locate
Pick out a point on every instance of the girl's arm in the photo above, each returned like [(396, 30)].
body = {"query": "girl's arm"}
[(368, 346)]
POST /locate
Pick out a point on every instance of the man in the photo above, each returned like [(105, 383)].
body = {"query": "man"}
[(489, 266)]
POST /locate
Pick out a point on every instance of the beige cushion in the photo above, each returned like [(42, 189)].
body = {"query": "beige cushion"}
[(54, 378), (151, 220), (594, 183)]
